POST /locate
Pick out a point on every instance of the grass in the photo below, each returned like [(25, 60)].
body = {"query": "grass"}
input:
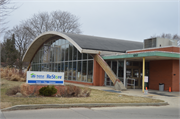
[(96, 96)]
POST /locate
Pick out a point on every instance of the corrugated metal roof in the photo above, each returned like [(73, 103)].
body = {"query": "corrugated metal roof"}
[(104, 44)]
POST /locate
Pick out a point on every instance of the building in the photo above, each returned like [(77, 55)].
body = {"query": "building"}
[(74, 55)]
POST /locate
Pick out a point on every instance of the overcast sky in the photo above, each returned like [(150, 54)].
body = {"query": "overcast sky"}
[(129, 20)]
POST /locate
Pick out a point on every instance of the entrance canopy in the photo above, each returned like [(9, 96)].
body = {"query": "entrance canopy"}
[(151, 55)]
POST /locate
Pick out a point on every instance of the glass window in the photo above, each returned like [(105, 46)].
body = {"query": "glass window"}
[(61, 56), (55, 67), (84, 56), (70, 52), (128, 73), (120, 68), (66, 52), (74, 53), (74, 70), (46, 68), (56, 43), (70, 71), (90, 71), (62, 67), (59, 53), (135, 73), (90, 56), (128, 63), (59, 67), (66, 71), (60, 42), (51, 55), (62, 50), (63, 41), (109, 63), (79, 75), (84, 71), (135, 63), (114, 67), (79, 55)]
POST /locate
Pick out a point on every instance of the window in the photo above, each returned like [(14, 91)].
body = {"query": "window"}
[(61, 56)]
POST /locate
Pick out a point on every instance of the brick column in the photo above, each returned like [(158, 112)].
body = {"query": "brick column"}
[(98, 75)]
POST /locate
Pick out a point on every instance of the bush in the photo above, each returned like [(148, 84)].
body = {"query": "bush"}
[(48, 91), (74, 91), (13, 74), (25, 88), (13, 90)]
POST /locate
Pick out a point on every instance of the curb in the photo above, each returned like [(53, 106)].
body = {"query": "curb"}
[(43, 106)]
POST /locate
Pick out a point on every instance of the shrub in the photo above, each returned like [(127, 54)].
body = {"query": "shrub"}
[(70, 91), (13, 90), (86, 92), (25, 88), (12, 74), (48, 91), (74, 91)]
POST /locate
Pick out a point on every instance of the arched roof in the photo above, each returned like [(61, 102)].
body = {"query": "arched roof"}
[(83, 43)]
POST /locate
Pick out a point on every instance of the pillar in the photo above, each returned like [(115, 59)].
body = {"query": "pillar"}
[(125, 72)]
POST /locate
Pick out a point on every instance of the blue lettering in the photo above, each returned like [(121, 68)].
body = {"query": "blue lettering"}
[(48, 76), (59, 77), (53, 76), (40, 76)]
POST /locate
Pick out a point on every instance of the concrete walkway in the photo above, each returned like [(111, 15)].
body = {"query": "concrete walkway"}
[(171, 97)]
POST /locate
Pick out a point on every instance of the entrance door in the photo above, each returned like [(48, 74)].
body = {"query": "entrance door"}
[(113, 65), (133, 71)]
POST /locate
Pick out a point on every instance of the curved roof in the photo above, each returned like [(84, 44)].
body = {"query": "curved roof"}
[(82, 42), (104, 44)]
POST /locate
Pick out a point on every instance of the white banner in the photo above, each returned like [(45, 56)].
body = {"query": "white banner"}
[(146, 79), (36, 77)]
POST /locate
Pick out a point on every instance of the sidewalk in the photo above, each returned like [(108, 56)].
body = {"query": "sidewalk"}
[(135, 92), (172, 98)]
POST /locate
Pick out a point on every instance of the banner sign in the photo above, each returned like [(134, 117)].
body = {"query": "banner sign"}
[(146, 79), (36, 77)]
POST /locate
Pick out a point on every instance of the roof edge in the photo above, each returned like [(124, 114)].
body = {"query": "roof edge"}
[(51, 34)]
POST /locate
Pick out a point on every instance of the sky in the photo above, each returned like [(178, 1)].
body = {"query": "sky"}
[(133, 20)]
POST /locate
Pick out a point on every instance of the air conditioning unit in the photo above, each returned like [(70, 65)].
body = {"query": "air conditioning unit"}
[(159, 42)]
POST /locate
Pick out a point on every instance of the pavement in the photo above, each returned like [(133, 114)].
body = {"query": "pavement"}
[(145, 112)]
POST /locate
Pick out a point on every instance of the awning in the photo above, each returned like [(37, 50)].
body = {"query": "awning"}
[(151, 55)]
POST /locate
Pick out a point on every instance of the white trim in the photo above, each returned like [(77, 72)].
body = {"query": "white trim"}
[(51, 34), (100, 52)]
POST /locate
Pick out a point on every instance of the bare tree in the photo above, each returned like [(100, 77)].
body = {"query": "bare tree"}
[(168, 36), (6, 7), (65, 22), (22, 41), (29, 29), (54, 21)]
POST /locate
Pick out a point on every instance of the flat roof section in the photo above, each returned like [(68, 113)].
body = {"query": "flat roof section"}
[(151, 55)]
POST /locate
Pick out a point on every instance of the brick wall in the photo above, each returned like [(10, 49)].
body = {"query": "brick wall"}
[(175, 76), (167, 49), (98, 75), (35, 89), (162, 71)]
